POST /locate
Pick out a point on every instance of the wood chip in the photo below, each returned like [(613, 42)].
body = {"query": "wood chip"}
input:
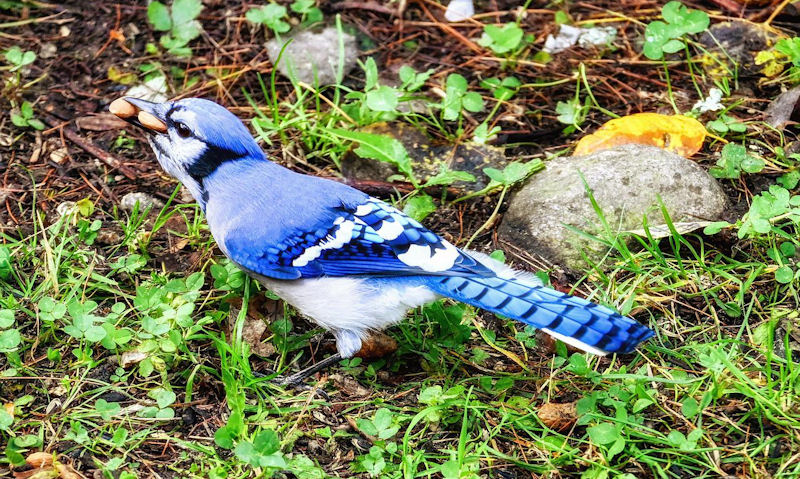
[(558, 416), (101, 122)]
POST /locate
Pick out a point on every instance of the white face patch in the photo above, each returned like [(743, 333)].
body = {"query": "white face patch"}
[(175, 159), (187, 116), (187, 150), (176, 155)]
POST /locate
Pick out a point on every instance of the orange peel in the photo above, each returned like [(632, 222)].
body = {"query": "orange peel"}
[(680, 134)]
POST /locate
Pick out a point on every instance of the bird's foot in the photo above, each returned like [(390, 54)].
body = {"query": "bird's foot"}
[(296, 380), (300, 376), (290, 382)]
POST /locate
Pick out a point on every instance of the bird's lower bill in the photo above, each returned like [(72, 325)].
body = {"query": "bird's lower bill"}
[(136, 115)]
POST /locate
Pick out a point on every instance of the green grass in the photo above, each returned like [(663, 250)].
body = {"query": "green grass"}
[(714, 392)]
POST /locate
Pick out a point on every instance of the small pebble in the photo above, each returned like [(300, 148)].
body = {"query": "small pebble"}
[(145, 201), (48, 50), (65, 208), (109, 237)]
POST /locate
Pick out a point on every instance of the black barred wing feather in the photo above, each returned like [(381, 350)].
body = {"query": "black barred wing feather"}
[(372, 239)]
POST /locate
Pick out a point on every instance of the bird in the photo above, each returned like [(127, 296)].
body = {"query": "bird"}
[(351, 263)]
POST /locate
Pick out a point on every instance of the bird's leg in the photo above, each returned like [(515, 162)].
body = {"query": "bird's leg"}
[(376, 345), (298, 377)]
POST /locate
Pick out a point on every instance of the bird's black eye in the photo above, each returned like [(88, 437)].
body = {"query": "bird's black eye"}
[(183, 130)]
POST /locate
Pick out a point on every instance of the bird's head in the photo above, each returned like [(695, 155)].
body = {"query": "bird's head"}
[(191, 137)]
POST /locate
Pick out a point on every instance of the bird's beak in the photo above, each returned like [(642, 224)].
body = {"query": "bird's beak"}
[(142, 113)]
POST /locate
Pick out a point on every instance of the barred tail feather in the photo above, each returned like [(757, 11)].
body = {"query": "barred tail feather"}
[(578, 322)]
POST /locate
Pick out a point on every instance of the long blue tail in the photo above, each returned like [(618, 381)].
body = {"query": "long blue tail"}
[(580, 323)]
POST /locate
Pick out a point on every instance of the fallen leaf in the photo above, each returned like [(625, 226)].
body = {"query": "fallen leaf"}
[(130, 358), (558, 416), (261, 311), (784, 109), (38, 473), (66, 472), (349, 387), (59, 155), (377, 345), (131, 410), (154, 89), (48, 50), (252, 333), (52, 406), (545, 344), (100, 122), (677, 133), (37, 149), (39, 459), (119, 76), (179, 245)]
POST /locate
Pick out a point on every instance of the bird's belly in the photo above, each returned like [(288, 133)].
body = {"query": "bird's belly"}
[(352, 304)]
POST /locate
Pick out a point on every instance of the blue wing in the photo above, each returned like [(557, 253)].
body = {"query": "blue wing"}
[(372, 238)]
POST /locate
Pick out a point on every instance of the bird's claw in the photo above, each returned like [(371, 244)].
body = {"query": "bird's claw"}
[(296, 383)]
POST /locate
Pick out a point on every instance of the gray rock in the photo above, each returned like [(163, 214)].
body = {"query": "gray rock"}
[(311, 54), (626, 182), (739, 42), (145, 201)]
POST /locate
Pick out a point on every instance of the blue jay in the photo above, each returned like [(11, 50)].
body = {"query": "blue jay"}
[(349, 262)]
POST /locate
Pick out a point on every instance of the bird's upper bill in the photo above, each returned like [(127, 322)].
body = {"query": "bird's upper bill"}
[(142, 113)]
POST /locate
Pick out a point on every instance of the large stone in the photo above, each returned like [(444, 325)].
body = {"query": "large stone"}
[(311, 55), (733, 46), (626, 182)]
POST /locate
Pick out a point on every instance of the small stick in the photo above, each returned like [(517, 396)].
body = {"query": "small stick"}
[(88, 147), (373, 6), (452, 31)]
